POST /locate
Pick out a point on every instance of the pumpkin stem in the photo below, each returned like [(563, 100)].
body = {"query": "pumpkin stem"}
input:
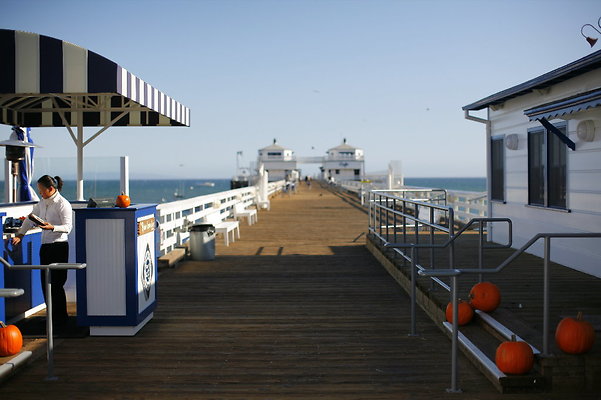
[(2, 324), (579, 316), (513, 338)]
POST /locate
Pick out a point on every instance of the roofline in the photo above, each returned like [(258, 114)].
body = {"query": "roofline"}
[(578, 67)]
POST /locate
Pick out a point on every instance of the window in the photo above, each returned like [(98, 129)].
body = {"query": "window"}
[(274, 153), (337, 172), (497, 161), (547, 170), (357, 172)]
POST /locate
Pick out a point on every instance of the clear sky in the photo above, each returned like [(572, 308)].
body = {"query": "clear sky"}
[(390, 76)]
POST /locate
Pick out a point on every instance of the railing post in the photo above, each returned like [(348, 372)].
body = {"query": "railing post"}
[(49, 328), (368, 211), (395, 221), (432, 283), (413, 299), (546, 280), (451, 217), (455, 338), (480, 248)]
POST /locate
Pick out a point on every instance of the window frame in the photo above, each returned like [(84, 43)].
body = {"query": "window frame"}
[(547, 173)]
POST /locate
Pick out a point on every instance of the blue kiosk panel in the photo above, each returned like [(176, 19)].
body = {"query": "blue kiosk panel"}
[(28, 253), (116, 293)]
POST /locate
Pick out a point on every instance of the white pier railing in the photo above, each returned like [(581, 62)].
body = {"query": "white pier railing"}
[(175, 217), (466, 205)]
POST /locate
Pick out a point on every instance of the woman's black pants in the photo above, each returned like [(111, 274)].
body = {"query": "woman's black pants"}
[(57, 252)]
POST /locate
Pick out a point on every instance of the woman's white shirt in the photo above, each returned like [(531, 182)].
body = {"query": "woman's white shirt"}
[(55, 210)]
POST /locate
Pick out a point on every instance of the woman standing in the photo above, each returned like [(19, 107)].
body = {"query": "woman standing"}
[(56, 213)]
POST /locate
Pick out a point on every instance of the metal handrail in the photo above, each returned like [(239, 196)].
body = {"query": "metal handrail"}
[(49, 325), (11, 292), (454, 274)]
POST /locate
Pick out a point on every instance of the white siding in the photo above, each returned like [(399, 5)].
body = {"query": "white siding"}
[(583, 181)]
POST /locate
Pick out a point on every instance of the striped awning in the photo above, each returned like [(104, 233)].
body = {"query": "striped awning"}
[(569, 105), (47, 82)]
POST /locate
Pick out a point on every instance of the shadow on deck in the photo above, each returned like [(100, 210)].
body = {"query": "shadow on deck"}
[(297, 309)]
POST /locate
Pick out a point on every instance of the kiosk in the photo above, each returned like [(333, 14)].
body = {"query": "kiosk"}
[(27, 252), (116, 293)]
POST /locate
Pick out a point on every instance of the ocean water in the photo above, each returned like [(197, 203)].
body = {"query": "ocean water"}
[(146, 191), (166, 190), (466, 184)]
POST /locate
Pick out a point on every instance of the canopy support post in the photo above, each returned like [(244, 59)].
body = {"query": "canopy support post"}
[(80, 145)]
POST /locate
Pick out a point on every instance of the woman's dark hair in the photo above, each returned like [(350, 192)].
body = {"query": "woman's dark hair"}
[(47, 181)]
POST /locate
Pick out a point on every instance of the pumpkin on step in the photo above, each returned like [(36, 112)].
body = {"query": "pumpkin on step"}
[(485, 296), (465, 312), (514, 357), (123, 201), (11, 340), (575, 336)]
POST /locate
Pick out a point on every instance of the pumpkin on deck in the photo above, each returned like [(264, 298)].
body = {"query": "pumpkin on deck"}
[(11, 340), (485, 296), (123, 201), (575, 336), (514, 357), (465, 312)]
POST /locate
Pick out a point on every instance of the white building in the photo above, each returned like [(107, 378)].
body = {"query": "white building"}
[(544, 160), (279, 161), (344, 162)]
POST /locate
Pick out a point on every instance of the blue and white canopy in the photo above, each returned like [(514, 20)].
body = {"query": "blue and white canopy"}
[(47, 82)]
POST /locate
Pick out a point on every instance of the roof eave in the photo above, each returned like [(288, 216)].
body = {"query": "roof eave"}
[(578, 67)]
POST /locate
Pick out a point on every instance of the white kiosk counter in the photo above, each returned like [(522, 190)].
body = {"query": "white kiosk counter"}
[(116, 293)]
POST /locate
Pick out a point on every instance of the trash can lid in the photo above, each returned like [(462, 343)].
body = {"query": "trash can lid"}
[(202, 228)]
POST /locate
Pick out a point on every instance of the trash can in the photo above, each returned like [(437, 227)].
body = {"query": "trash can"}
[(202, 242)]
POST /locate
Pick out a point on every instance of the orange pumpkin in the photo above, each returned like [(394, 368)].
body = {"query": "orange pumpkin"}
[(514, 357), (123, 200), (11, 340), (485, 296), (465, 311), (575, 336)]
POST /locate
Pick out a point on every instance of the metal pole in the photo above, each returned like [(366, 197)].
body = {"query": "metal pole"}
[(125, 175), (49, 330), (546, 280), (80, 146), (413, 283), (395, 221), (455, 337), (451, 217), (14, 177), (480, 248), (432, 284), (369, 210)]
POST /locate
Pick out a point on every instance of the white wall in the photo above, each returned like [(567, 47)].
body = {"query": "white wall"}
[(583, 180)]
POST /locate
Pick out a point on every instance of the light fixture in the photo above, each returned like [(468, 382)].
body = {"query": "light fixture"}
[(585, 130), (512, 141), (589, 39)]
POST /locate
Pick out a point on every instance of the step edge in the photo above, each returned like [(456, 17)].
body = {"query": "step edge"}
[(502, 329), (477, 353)]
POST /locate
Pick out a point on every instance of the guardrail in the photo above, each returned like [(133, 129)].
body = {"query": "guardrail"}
[(397, 221), (175, 217), (466, 205)]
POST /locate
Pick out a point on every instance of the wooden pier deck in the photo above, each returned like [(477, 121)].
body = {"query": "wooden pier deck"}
[(296, 309)]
